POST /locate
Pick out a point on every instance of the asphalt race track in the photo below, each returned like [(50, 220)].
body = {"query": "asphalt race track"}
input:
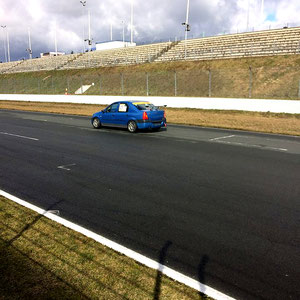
[(223, 205)]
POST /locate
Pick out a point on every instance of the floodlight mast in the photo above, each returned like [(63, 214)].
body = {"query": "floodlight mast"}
[(248, 15), (111, 31), (4, 46), (8, 49), (262, 11), (131, 22), (123, 34), (83, 6), (55, 38), (187, 26), (29, 44)]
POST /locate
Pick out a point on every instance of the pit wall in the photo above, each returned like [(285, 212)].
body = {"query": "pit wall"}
[(259, 105)]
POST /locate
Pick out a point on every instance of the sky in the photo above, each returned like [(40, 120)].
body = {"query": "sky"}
[(153, 21)]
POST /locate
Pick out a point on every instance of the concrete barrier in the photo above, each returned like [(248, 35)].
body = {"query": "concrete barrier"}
[(260, 105)]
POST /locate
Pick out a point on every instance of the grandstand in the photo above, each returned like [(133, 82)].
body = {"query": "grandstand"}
[(120, 56), (251, 44), (263, 43)]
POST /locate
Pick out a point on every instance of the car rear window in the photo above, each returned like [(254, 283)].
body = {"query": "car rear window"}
[(145, 106)]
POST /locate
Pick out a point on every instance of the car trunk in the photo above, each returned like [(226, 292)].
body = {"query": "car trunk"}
[(155, 115)]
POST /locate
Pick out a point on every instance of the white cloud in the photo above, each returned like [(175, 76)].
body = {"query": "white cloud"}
[(154, 20)]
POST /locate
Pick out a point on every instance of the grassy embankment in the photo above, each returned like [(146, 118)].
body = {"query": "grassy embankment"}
[(253, 121), (271, 77), (40, 259)]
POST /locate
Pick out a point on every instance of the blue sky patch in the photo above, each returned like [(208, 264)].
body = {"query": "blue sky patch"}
[(271, 17)]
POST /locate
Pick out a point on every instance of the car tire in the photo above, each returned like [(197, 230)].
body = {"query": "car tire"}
[(96, 123), (131, 126), (156, 129)]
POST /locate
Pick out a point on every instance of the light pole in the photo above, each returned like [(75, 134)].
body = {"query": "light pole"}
[(131, 22), (123, 33), (83, 6), (248, 15), (4, 44), (29, 44), (262, 11), (111, 35), (55, 38), (8, 49), (187, 26), (89, 39)]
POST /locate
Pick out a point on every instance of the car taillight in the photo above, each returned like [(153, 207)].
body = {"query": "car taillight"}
[(164, 114), (145, 116)]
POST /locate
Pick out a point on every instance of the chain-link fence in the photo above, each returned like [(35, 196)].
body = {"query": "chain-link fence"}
[(234, 83)]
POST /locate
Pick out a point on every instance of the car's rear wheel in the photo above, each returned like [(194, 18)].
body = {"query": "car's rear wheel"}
[(96, 123), (131, 126)]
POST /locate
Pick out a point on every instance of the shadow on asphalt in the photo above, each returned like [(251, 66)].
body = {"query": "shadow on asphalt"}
[(201, 273), (116, 129), (162, 259)]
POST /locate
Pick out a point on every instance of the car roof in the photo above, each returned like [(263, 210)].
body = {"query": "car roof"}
[(132, 102), (137, 101)]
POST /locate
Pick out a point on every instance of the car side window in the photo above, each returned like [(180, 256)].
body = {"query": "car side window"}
[(113, 108), (123, 107)]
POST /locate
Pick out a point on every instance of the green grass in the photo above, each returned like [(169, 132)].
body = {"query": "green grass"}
[(40, 259), (272, 77)]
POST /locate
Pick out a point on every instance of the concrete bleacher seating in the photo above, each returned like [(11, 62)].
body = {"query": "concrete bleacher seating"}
[(250, 44), (120, 56), (5, 67), (39, 64), (263, 43)]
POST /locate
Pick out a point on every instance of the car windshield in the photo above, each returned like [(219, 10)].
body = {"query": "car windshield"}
[(145, 106)]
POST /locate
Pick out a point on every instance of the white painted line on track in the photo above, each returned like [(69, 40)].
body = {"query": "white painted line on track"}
[(253, 146), (65, 167), (19, 136), (222, 137), (123, 250)]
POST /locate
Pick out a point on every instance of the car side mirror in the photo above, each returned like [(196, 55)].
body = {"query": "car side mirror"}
[(104, 111)]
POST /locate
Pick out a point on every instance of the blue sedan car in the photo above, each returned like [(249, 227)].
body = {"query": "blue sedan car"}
[(132, 115)]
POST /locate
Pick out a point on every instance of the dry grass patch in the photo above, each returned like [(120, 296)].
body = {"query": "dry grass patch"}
[(253, 121), (40, 259)]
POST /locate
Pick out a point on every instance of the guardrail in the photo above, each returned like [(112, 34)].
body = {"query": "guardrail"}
[(259, 105)]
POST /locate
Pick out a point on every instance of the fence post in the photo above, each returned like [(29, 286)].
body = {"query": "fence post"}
[(99, 84), (39, 86), (68, 84), (52, 82), (209, 83), (122, 84), (147, 83), (250, 82), (175, 83), (81, 85)]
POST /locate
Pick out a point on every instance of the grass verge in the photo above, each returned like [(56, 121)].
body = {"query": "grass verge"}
[(40, 259), (253, 121)]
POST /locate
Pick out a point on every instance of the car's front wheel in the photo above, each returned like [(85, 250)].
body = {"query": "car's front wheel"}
[(96, 123), (131, 126)]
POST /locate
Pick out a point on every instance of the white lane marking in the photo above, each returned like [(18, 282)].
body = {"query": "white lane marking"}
[(20, 136), (222, 137), (123, 250), (65, 167), (253, 146)]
